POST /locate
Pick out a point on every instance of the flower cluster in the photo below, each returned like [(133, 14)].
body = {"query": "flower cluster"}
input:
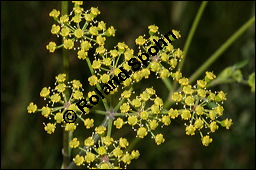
[(144, 112), (104, 153), (201, 107)]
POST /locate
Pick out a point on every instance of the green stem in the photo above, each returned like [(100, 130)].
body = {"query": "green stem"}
[(168, 83), (66, 135), (110, 126), (222, 48), (192, 32)]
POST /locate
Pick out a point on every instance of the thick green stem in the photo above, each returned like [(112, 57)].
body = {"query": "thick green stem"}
[(67, 136), (222, 48)]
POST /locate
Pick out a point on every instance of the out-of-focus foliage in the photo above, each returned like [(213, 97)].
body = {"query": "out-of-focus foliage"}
[(26, 67)]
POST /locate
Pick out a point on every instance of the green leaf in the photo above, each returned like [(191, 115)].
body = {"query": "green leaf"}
[(251, 81)]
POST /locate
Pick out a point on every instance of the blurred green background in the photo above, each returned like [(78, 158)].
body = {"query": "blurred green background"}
[(27, 67)]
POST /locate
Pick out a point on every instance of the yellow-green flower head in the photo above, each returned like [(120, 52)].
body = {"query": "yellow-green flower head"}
[(89, 142), (213, 126), (88, 123), (219, 109), (79, 33), (117, 152), (105, 78), (102, 150), (70, 127), (101, 25), (199, 110), (51, 46), (100, 129), (93, 30), (185, 114), (178, 53), (78, 10), (150, 91), (77, 94), (95, 11), (173, 113), (153, 124), (110, 31), (60, 87), (74, 143), (89, 17), (64, 31), (176, 97), (58, 117), (142, 132), (209, 76), (199, 124), (123, 143), (44, 92), (164, 73), (127, 158), (135, 154), (126, 94), (177, 75), (68, 44), (212, 114), (189, 101), (54, 13), (187, 89), (77, 18), (79, 160), (201, 83), (101, 50), (136, 102), (46, 111), (73, 107), (152, 29), (154, 66), (140, 40), (96, 64), (114, 53), (226, 123), (77, 2), (89, 157), (164, 57), (221, 96), (61, 78), (144, 115), (105, 166), (85, 45), (206, 140), (128, 54), (55, 29), (119, 123), (32, 108), (121, 46), (55, 98), (100, 40), (107, 61), (201, 92), (211, 96), (166, 120), (190, 130), (159, 139), (124, 108), (93, 80), (145, 96), (145, 72), (64, 19), (155, 109), (107, 140), (173, 62), (132, 120), (183, 81), (49, 128), (76, 84)]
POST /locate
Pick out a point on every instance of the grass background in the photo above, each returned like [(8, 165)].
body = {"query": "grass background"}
[(27, 67)]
